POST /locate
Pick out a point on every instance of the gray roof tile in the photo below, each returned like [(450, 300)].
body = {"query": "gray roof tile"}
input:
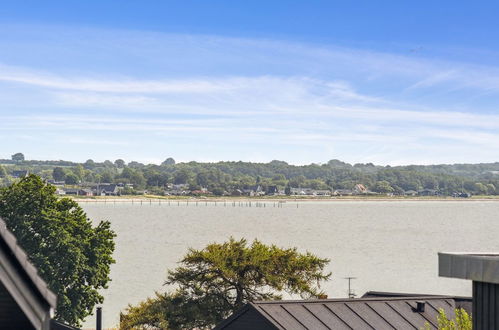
[(364, 313)]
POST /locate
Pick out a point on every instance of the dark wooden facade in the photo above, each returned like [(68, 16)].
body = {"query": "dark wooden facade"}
[(483, 270), (485, 306), (25, 297), (11, 316), (26, 302)]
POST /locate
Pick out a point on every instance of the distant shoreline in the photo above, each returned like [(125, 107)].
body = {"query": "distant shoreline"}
[(284, 199)]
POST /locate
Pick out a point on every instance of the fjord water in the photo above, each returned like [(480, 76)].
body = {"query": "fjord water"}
[(386, 245)]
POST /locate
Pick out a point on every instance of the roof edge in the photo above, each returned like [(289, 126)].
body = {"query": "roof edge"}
[(321, 301), (233, 317), (475, 266), (387, 294), (240, 312)]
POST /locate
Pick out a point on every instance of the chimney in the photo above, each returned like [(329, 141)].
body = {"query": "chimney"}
[(420, 306), (98, 325)]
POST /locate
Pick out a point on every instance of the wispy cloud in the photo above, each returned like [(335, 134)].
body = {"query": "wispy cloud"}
[(243, 97), (266, 95)]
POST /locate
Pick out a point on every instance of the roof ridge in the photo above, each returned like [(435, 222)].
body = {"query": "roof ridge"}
[(347, 300)]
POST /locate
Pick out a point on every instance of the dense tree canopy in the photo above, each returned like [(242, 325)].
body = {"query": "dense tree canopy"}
[(89, 164), (120, 163), (71, 255), (71, 178), (383, 187), (18, 157), (169, 161), (216, 281), (58, 174), (226, 177)]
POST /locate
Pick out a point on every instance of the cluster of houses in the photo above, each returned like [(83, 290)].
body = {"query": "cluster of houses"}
[(252, 191), (358, 190), (274, 190), (183, 189), (19, 174), (106, 189)]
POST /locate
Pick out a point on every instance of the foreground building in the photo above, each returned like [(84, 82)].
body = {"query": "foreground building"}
[(483, 270), (25, 300), (379, 312), (382, 310)]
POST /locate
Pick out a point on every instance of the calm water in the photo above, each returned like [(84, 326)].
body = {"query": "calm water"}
[(388, 246)]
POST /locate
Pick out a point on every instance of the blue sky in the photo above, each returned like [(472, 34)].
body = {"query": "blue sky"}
[(385, 82)]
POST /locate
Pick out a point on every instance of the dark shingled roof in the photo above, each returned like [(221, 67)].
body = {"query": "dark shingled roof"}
[(28, 269), (465, 303), (363, 313)]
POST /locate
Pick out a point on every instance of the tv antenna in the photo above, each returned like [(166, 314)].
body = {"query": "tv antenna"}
[(351, 293)]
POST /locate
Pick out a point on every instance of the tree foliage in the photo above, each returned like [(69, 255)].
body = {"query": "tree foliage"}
[(462, 321), (120, 163), (58, 174), (18, 157), (73, 257), (216, 281), (383, 187), (231, 176), (149, 313), (169, 161), (89, 164), (71, 178), (169, 311)]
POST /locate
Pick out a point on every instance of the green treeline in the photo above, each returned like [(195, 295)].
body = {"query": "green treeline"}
[(224, 178)]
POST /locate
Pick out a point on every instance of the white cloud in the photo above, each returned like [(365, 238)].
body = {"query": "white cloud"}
[(101, 100), (243, 96), (306, 99)]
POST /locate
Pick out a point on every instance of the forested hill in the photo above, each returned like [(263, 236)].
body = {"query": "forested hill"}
[(223, 177)]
